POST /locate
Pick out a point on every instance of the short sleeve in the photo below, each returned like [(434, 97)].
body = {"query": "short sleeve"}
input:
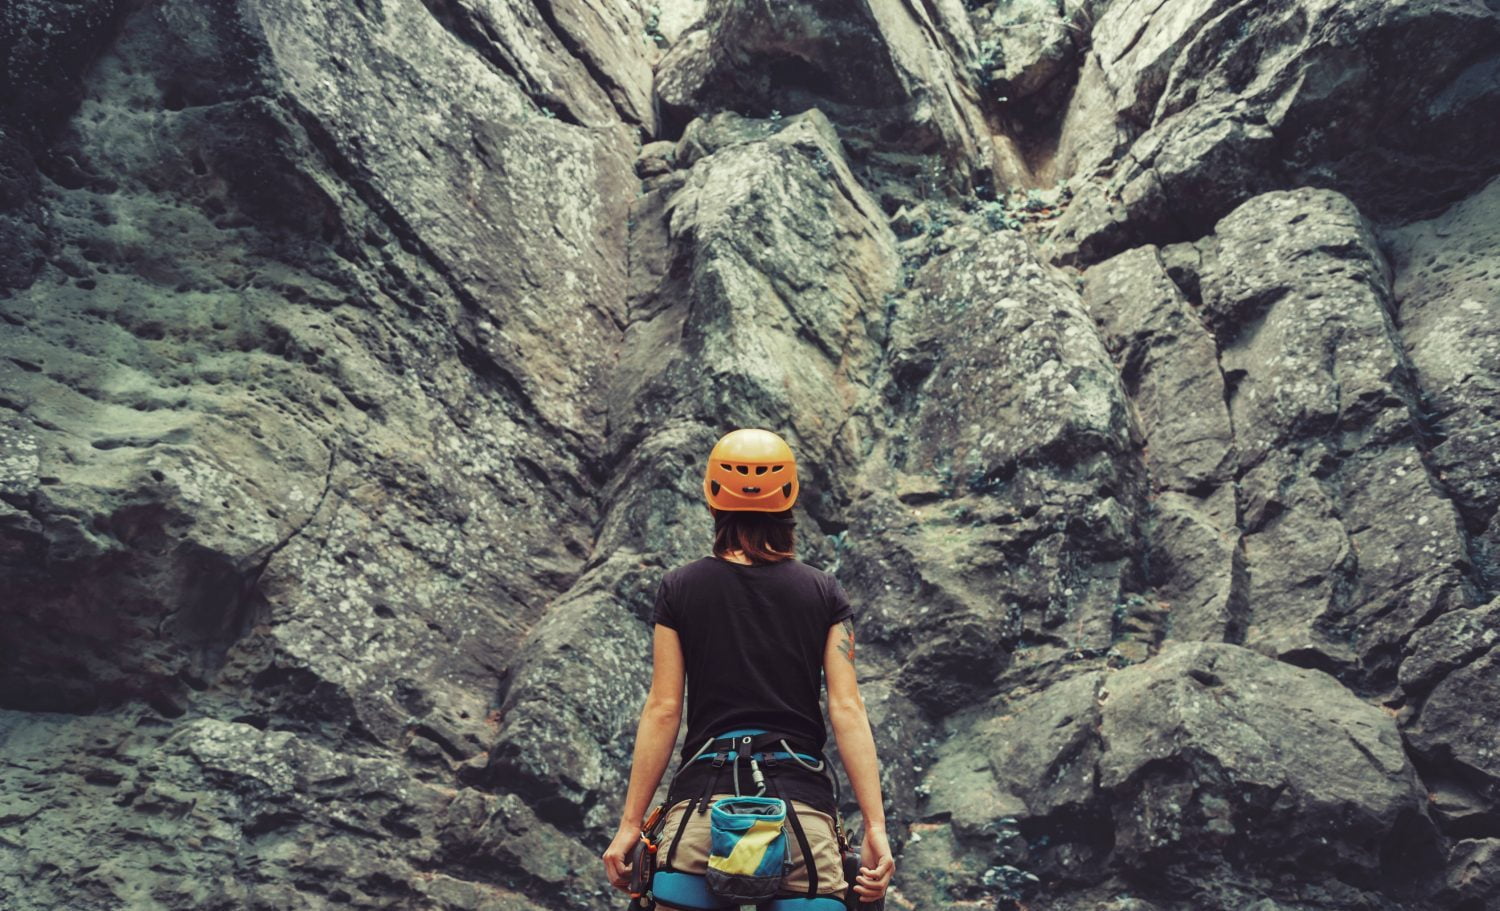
[(839, 607), (662, 611)]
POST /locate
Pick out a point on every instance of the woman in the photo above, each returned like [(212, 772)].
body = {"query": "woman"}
[(750, 627)]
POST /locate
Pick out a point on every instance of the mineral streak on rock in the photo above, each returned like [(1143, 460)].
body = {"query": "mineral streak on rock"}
[(1142, 358)]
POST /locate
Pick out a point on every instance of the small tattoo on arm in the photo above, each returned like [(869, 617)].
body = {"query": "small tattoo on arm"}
[(846, 648)]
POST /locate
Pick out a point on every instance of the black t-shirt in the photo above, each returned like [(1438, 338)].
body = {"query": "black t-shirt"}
[(752, 640)]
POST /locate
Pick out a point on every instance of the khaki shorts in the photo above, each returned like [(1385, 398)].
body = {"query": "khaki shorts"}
[(692, 851)]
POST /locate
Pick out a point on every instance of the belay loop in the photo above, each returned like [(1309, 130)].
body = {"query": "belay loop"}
[(756, 775)]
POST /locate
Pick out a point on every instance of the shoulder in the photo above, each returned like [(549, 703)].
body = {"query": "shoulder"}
[(678, 573), (832, 592), (824, 581), (822, 575)]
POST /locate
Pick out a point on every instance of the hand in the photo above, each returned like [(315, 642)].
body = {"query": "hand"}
[(615, 867), (876, 865)]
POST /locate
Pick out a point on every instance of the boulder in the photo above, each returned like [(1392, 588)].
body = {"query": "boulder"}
[(972, 542), (895, 74), (1350, 544), (1449, 314), (1448, 731), (1219, 102), (1473, 874), (1206, 757)]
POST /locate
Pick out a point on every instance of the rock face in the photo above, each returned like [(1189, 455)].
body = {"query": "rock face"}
[(894, 74), (1213, 102), (1288, 777), (1142, 360)]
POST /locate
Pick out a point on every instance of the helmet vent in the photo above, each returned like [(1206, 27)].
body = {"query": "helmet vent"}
[(776, 467), (750, 489), (786, 489), (714, 485), (760, 469), (743, 469), (726, 466)]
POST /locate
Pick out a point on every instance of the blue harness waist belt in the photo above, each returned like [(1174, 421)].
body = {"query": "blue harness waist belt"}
[(689, 890), (760, 757)]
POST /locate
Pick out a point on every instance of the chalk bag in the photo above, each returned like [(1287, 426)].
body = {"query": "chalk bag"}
[(747, 856)]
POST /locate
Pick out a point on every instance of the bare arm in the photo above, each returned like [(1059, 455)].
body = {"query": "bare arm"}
[(654, 737), (851, 726), (657, 731)]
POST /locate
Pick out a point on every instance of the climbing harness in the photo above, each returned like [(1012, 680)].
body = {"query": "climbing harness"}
[(741, 870)]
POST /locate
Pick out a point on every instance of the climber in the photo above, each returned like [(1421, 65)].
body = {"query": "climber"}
[(749, 628)]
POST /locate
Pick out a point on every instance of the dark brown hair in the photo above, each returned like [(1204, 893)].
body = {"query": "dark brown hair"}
[(763, 537)]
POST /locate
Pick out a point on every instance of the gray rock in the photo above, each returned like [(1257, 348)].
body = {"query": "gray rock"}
[(358, 359), (1274, 756), (1474, 874), (1169, 363), (581, 60), (1027, 49), (1447, 292), (1448, 732), (222, 815), (1349, 545), (1198, 569), (1206, 755), (676, 17), (656, 158), (281, 451), (995, 371), (1448, 643), (895, 74), (1221, 103)]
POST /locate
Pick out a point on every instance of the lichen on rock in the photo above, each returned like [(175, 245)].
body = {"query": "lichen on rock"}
[(359, 357)]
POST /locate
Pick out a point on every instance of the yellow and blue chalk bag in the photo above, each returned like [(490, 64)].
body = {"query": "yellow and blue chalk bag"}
[(747, 856)]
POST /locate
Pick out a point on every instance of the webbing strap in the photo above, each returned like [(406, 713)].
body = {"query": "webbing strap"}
[(760, 741), (808, 860), (697, 800), (677, 836), (809, 760)]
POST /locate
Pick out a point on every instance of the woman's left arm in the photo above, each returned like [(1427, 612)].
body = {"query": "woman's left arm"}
[(654, 738)]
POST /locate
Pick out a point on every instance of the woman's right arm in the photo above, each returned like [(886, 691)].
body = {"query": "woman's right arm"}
[(851, 729)]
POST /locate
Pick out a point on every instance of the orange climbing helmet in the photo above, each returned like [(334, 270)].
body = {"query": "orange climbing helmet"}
[(751, 470)]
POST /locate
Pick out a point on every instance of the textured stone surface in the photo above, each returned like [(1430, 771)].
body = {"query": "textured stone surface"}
[(1286, 775), (1451, 731), (222, 815), (1349, 542), (358, 357), (1474, 874), (1446, 301), (275, 457), (1169, 363), (1217, 101), (896, 75)]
